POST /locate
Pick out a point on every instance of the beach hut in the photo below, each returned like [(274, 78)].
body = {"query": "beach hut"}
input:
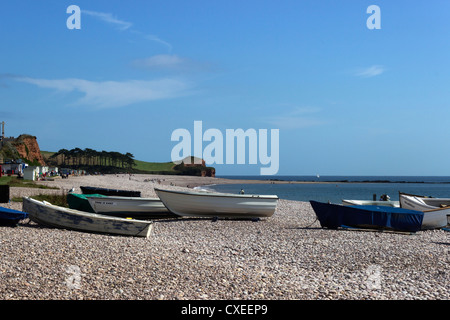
[(31, 173)]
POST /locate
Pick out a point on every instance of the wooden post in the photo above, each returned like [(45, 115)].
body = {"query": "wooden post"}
[(4, 193)]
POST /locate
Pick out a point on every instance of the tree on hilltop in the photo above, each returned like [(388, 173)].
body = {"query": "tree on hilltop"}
[(91, 157)]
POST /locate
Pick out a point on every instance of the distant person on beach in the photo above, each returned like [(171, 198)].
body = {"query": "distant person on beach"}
[(242, 191)]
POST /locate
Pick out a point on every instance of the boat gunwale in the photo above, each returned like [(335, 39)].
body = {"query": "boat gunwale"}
[(218, 194), (416, 195), (390, 203), (123, 198)]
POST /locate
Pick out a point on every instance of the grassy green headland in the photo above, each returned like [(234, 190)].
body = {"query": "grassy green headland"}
[(138, 166)]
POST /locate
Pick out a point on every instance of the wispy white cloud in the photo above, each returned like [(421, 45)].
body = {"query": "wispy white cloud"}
[(304, 110), (109, 18), (371, 71), (125, 25), (171, 62), (113, 94), (152, 37), (161, 61), (299, 117)]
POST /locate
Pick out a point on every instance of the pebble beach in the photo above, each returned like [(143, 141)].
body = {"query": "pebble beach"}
[(285, 257)]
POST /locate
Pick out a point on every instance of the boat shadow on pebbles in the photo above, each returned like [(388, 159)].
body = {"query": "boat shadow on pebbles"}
[(177, 218)]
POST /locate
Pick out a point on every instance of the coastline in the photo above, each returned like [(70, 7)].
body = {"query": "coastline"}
[(285, 257), (192, 182)]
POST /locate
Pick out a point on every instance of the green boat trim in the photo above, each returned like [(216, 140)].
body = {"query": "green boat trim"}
[(80, 202)]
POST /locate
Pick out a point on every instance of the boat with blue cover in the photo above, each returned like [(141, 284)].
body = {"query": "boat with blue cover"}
[(11, 217), (333, 216)]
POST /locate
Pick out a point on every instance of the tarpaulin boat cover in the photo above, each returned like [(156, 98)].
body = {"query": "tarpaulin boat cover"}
[(365, 216)]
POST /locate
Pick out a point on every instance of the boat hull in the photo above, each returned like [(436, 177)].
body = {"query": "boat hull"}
[(434, 217), (333, 216), (59, 217), (11, 217), (129, 207), (199, 204)]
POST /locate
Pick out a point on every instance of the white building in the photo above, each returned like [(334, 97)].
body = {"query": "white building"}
[(31, 173)]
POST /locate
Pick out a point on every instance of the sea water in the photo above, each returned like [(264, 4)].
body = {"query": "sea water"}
[(338, 188)]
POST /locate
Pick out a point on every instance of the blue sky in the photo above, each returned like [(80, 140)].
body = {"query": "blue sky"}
[(347, 100)]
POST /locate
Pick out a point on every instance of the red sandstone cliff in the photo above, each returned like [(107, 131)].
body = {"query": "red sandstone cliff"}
[(28, 148)]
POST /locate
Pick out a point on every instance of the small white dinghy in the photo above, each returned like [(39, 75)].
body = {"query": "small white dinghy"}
[(434, 217), (212, 204), (431, 201), (45, 213)]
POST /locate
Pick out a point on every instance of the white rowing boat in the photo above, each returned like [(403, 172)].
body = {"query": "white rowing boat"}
[(434, 217), (45, 213), (211, 204), (129, 206), (431, 201)]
